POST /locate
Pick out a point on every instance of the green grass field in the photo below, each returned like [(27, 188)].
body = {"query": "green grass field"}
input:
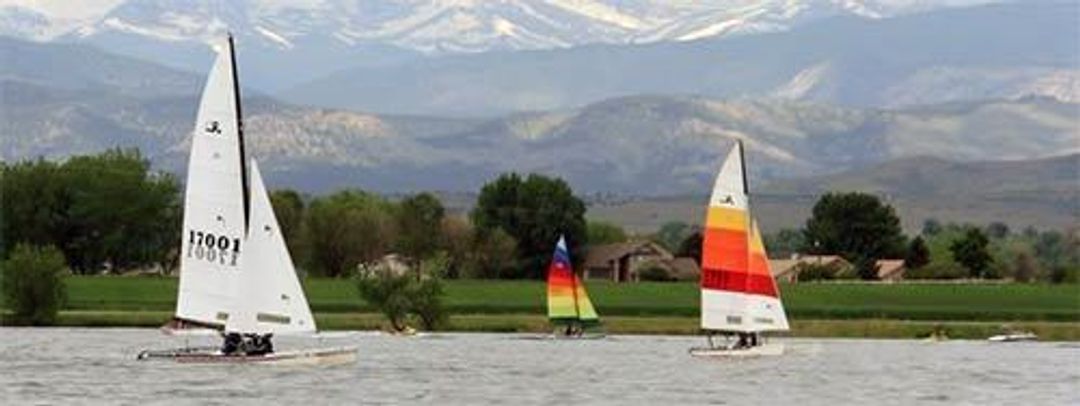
[(957, 302)]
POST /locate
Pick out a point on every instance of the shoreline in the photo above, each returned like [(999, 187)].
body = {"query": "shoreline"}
[(643, 325)]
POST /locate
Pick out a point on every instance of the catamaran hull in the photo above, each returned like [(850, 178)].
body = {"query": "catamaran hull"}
[(764, 350), (1009, 338), (323, 356)]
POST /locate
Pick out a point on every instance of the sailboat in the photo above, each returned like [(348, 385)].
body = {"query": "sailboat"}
[(570, 311), (739, 297), (236, 274)]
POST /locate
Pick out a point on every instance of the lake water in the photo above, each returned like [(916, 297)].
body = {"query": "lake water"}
[(94, 366)]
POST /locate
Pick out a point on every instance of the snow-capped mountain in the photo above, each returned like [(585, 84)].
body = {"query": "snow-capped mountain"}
[(306, 39), (435, 26)]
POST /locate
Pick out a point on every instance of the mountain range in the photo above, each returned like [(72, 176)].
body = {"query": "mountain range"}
[(288, 42), (657, 144), (995, 51)]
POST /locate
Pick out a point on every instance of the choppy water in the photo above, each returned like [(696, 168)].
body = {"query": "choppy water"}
[(96, 366)]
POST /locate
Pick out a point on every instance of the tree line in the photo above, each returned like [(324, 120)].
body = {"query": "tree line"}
[(111, 213), (862, 229)]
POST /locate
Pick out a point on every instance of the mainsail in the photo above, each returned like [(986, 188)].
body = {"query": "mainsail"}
[(738, 292), (567, 300), (269, 298), (214, 201)]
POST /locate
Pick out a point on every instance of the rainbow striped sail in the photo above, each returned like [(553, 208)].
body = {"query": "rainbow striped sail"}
[(566, 297), (738, 292)]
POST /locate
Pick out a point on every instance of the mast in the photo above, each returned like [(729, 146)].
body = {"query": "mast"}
[(749, 217), (742, 162), (240, 132)]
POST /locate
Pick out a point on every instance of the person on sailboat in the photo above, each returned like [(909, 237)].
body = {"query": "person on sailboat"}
[(232, 343), (743, 341), (259, 344)]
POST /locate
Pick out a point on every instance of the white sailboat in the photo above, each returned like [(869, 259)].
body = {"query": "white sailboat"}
[(739, 297), (236, 274)]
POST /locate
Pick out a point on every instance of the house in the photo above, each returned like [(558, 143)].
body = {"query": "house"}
[(394, 263), (787, 270), (620, 262), (891, 270)]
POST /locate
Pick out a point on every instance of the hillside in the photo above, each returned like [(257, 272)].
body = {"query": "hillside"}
[(80, 67), (642, 145)]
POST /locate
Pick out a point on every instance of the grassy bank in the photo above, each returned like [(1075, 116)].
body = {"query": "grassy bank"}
[(531, 323), (816, 310), (947, 301)]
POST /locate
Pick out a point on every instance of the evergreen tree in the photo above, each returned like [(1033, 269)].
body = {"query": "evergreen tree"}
[(918, 254), (972, 251)]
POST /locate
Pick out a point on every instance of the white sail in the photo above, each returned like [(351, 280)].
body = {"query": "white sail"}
[(723, 309), (738, 293), (214, 212), (269, 298)]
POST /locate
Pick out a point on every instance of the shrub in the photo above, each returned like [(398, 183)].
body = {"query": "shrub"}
[(938, 270), (387, 291), (807, 272), (397, 294), (33, 284), (427, 292), (654, 273)]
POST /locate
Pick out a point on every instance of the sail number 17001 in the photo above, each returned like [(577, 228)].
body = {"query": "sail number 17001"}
[(213, 248)]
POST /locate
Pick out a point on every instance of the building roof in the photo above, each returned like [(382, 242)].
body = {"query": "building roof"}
[(599, 256), (890, 268), (781, 267)]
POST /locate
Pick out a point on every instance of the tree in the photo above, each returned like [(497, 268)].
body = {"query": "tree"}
[(346, 229), (671, 234), (416, 292), (494, 255), (33, 285), (1024, 267), (931, 227), (1052, 248), (535, 211), (601, 232), (117, 205), (427, 293), (388, 292), (33, 204), (857, 226), (102, 211), (456, 240), (419, 223), (289, 210), (691, 247), (784, 243), (997, 230), (972, 252), (918, 254)]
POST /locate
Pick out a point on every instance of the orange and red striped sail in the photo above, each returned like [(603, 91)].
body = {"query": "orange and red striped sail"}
[(567, 299), (738, 292)]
